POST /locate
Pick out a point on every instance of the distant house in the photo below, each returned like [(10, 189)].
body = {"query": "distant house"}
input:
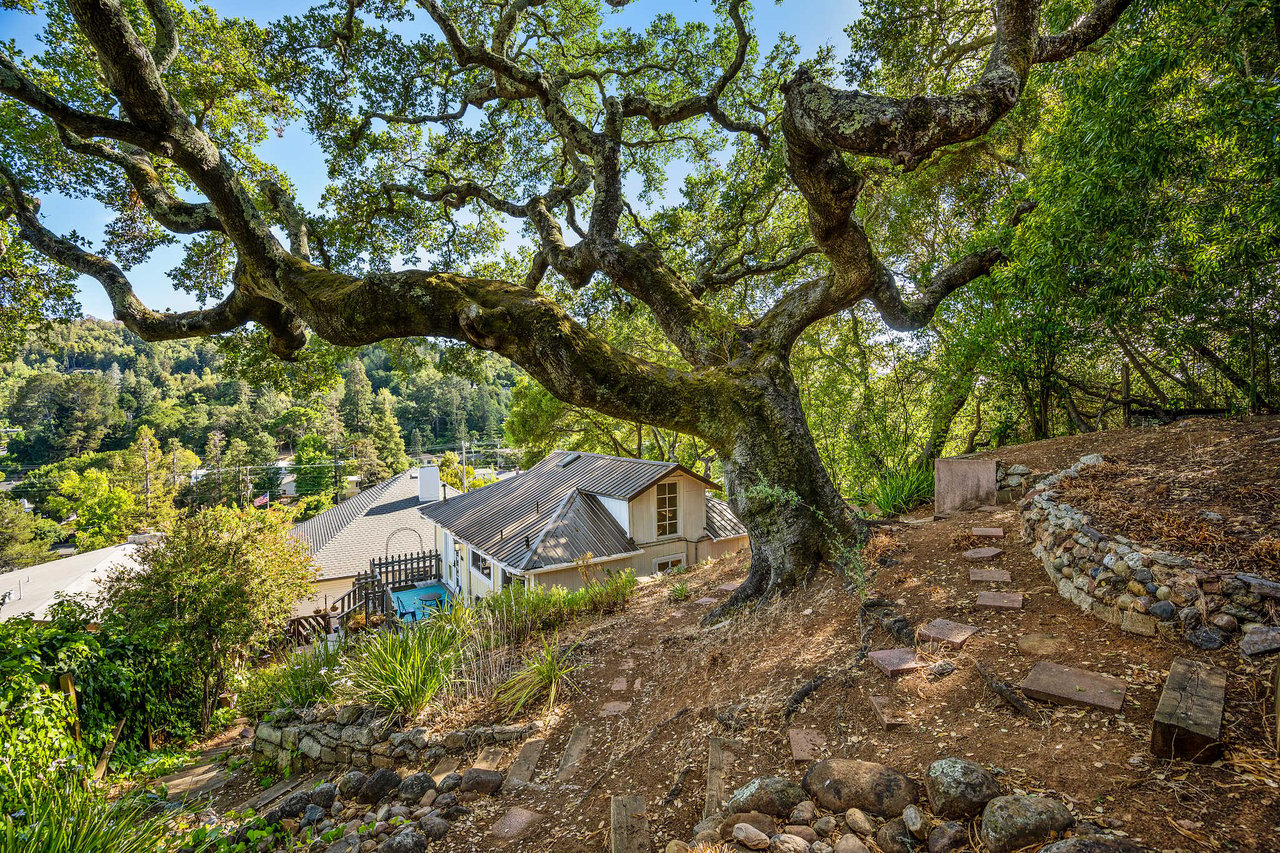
[(33, 589), (574, 510), (379, 521)]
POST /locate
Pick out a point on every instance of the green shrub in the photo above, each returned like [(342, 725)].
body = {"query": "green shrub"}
[(400, 671), (899, 491), (61, 818), (545, 673), (304, 679), (678, 592)]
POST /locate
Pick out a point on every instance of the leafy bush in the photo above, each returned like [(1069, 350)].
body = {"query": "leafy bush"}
[(678, 592), (545, 673), (899, 491), (57, 818), (304, 679), (400, 671)]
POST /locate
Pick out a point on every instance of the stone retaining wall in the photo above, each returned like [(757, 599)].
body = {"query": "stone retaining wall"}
[(355, 736), (1141, 589)]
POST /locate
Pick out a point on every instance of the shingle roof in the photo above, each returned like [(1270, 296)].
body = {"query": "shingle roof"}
[(721, 522), (508, 519), (369, 524)]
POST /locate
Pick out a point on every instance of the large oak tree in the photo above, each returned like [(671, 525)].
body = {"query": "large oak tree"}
[(529, 111)]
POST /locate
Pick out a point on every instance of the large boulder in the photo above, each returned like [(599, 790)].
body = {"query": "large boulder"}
[(839, 784), (958, 788), (1011, 822), (771, 795), (480, 781), (378, 786)]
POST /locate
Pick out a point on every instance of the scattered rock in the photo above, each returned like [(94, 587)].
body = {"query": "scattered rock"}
[(857, 821), (850, 844), (801, 831), (351, 783), (825, 826), (917, 824), (405, 842), (378, 786), (958, 788), (750, 837), (413, 788), (675, 846), (804, 812), (1011, 822), (838, 784), (770, 795), (312, 815), (894, 837), (762, 822), (294, 804), (948, 836), (787, 843), (449, 782), (1206, 637), (434, 827), (481, 781)]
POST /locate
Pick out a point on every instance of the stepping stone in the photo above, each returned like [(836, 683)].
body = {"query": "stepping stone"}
[(574, 750), (628, 663), (882, 707), (1188, 720), (979, 555), (1067, 685), (522, 768), (489, 758), (676, 614), (947, 633), (895, 662), (806, 744), (628, 826), (514, 824), (619, 684), (988, 508), (990, 576), (1039, 645), (988, 532), (914, 522), (999, 601), (444, 767), (612, 709), (730, 586), (636, 686), (705, 601)]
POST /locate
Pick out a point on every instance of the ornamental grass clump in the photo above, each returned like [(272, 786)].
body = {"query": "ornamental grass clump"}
[(401, 672), (59, 818), (544, 674), (303, 680)]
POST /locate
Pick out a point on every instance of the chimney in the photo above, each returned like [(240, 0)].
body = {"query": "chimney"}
[(429, 484)]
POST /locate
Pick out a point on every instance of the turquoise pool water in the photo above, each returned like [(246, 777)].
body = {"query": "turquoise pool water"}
[(420, 601)]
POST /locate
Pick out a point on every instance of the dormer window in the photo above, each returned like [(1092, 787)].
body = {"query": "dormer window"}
[(668, 509)]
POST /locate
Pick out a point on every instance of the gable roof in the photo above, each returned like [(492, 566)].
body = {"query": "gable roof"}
[(551, 513), (366, 525), (721, 522)]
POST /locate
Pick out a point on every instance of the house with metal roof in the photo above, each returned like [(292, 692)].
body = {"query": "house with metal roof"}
[(575, 515), (379, 521)]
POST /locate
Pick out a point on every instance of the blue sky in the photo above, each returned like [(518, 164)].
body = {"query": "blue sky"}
[(814, 23)]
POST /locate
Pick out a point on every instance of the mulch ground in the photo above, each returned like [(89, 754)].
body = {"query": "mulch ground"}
[(734, 681)]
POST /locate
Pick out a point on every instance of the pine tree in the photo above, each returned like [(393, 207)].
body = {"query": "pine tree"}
[(384, 432), (357, 398), (415, 443)]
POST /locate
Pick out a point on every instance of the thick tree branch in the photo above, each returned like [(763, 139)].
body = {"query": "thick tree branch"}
[(167, 43), (180, 217)]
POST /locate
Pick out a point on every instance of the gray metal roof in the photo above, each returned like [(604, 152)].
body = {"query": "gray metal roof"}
[(583, 526), (76, 576), (508, 519), (381, 519), (721, 522)]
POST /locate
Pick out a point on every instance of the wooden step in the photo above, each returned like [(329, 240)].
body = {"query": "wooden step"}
[(1188, 720), (628, 826), (717, 759), (526, 761), (444, 767), (575, 749), (490, 758)]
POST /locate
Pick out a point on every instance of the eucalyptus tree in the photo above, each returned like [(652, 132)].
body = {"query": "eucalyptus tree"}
[(524, 111)]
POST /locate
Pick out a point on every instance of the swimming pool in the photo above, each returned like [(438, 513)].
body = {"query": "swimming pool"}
[(418, 602)]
